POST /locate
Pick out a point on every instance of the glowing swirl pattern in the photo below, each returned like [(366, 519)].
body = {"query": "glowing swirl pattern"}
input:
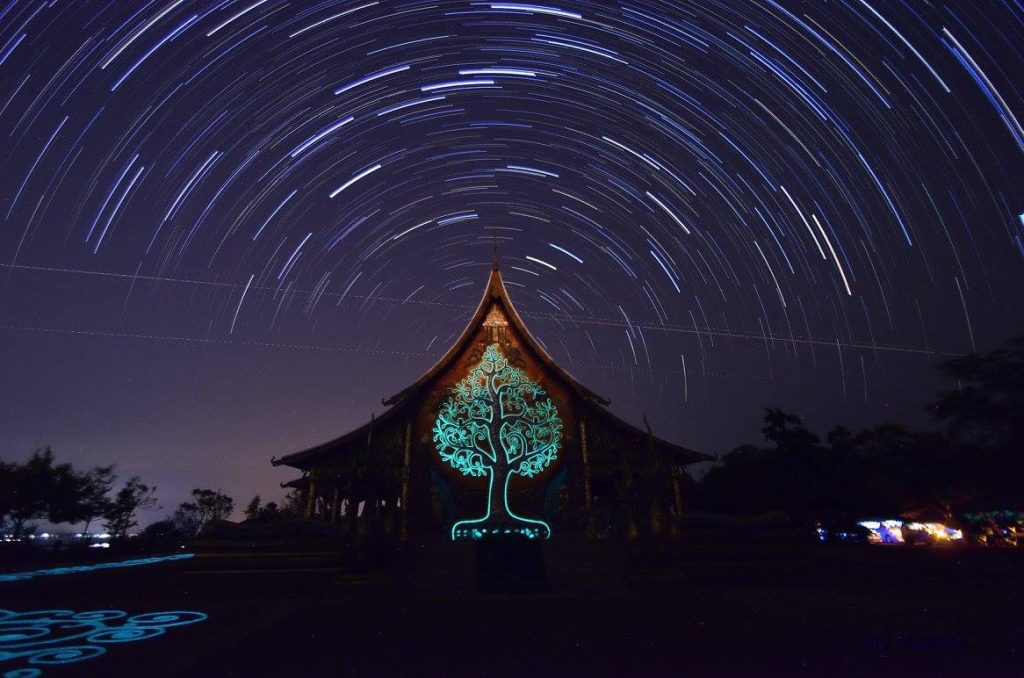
[(498, 423), (76, 569), (53, 637)]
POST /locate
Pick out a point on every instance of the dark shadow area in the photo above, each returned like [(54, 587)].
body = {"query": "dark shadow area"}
[(721, 609), (510, 565)]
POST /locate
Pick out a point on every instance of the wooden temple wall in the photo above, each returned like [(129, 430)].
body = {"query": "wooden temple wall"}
[(607, 484), (364, 490), (633, 488)]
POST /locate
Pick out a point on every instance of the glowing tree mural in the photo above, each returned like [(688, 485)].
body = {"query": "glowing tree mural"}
[(497, 424)]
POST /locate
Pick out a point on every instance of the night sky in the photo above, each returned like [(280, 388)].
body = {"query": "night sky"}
[(228, 229)]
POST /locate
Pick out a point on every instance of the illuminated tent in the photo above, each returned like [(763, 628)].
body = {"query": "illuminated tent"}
[(495, 438)]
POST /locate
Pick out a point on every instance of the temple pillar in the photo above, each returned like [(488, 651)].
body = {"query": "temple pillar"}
[(352, 515), (677, 501), (588, 493), (627, 498), (335, 507), (657, 517), (370, 515), (310, 496), (406, 472), (654, 483)]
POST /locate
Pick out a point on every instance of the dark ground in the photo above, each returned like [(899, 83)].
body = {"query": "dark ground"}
[(725, 610)]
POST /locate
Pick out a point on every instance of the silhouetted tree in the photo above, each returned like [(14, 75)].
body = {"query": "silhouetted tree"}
[(186, 519), (41, 488), (888, 469), (256, 513), (269, 511), (894, 470), (6, 493), (987, 403), (252, 511), (162, 532), (797, 474), (88, 499), (736, 485), (129, 500), (37, 489), (28, 491), (985, 416), (207, 505)]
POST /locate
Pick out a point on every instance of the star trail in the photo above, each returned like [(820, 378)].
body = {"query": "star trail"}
[(277, 213)]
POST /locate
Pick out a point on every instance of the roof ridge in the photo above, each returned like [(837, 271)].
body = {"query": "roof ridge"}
[(495, 290)]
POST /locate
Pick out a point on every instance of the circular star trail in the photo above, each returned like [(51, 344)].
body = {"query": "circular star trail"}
[(690, 201)]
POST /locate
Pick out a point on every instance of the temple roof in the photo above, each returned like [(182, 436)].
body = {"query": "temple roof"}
[(301, 459), (495, 294)]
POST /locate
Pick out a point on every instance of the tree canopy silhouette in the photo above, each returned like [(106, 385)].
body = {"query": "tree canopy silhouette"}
[(41, 488), (206, 505), (888, 469), (984, 415), (135, 496)]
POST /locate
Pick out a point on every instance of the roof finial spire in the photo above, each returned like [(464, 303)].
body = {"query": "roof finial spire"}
[(494, 266)]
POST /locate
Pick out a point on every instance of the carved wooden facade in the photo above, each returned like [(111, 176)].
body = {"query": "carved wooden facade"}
[(610, 478)]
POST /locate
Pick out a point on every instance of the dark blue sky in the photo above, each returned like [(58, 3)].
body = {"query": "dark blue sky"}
[(227, 229)]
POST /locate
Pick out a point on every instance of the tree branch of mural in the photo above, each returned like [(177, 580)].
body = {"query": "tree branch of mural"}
[(498, 424)]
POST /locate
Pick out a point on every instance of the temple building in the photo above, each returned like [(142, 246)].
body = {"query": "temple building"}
[(496, 438)]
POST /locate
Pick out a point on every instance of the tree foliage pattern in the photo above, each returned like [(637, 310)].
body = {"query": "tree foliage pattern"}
[(498, 419)]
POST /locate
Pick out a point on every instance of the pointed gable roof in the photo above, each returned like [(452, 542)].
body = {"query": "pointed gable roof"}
[(495, 308), (495, 297)]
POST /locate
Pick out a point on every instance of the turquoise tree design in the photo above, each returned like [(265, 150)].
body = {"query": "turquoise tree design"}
[(497, 424)]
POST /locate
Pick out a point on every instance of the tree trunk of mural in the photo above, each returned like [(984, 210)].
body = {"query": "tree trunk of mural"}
[(497, 495)]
